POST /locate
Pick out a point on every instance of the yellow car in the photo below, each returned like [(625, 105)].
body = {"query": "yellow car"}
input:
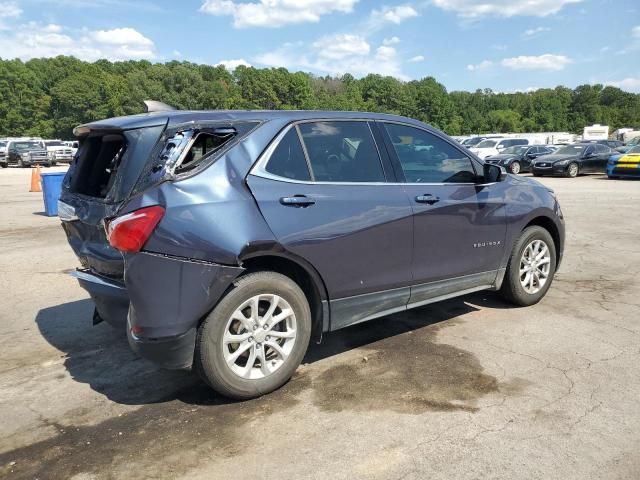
[(625, 164)]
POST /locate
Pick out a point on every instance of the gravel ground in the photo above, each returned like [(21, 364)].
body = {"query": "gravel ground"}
[(466, 388)]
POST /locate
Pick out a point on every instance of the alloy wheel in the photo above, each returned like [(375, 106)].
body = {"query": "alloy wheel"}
[(259, 336), (515, 168), (573, 170), (535, 265)]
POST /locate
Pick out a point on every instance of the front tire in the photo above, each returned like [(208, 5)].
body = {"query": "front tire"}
[(255, 338), (531, 267), (515, 168), (572, 170)]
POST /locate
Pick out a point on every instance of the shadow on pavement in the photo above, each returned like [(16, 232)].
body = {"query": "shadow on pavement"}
[(100, 356)]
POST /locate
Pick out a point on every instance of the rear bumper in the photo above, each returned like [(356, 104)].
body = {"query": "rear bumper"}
[(172, 353), (110, 297), (162, 300)]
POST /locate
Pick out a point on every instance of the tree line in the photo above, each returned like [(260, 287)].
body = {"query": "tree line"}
[(48, 97)]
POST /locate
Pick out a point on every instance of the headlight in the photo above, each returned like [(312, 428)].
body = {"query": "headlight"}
[(26, 155), (563, 162)]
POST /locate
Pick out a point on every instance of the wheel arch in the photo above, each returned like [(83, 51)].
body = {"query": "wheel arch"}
[(307, 278), (549, 225)]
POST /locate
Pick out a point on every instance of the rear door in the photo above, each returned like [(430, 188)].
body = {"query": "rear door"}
[(324, 191), (599, 164), (459, 222)]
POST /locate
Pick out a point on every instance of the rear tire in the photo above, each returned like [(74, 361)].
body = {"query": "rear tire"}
[(517, 287), (281, 344), (4, 165)]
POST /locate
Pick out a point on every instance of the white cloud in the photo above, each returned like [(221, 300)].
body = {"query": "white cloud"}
[(397, 14), (8, 10), (391, 41), (233, 64), (121, 36), (630, 84), (532, 32), (483, 65), (275, 13), (335, 55), (339, 46), (503, 8), (635, 32), (416, 59), (385, 53), (541, 62), (34, 40)]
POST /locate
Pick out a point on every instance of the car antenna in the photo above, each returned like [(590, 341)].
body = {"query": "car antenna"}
[(155, 106)]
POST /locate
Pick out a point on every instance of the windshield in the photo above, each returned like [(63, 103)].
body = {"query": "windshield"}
[(635, 149), (54, 143), (470, 142), (516, 149), (570, 150), (21, 146), (487, 144), (3, 144)]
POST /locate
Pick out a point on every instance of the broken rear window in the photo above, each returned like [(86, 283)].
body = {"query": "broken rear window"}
[(203, 146)]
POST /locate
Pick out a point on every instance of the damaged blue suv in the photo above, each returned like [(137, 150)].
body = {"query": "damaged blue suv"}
[(227, 241)]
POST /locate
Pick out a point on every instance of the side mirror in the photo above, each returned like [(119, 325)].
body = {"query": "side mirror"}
[(494, 173), (531, 155)]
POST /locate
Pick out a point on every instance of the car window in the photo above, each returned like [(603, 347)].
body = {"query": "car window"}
[(426, 158), (486, 144), (591, 149), (342, 152), (288, 160), (602, 149), (204, 145)]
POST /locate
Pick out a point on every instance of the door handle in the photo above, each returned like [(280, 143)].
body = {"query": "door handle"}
[(427, 198), (297, 201)]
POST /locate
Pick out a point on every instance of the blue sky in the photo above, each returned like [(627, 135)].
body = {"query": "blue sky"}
[(505, 45)]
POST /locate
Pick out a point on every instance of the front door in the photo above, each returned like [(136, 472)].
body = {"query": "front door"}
[(327, 201), (459, 222)]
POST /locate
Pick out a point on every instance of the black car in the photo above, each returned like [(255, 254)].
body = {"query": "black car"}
[(518, 158), (230, 240), (25, 153), (573, 160)]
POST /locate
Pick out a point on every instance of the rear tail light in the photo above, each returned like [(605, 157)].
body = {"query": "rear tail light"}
[(130, 232)]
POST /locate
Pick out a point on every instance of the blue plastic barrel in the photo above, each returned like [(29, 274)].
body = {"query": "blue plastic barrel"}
[(51, 189)]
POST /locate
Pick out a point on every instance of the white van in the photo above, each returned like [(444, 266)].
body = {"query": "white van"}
[(494, 146)]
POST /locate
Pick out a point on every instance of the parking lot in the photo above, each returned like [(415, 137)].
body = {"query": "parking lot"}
[(468, 388)]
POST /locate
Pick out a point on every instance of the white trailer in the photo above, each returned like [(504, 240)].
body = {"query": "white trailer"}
[(595, 132)]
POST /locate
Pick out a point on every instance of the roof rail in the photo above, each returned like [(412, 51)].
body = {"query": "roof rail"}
[(155, 106)]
